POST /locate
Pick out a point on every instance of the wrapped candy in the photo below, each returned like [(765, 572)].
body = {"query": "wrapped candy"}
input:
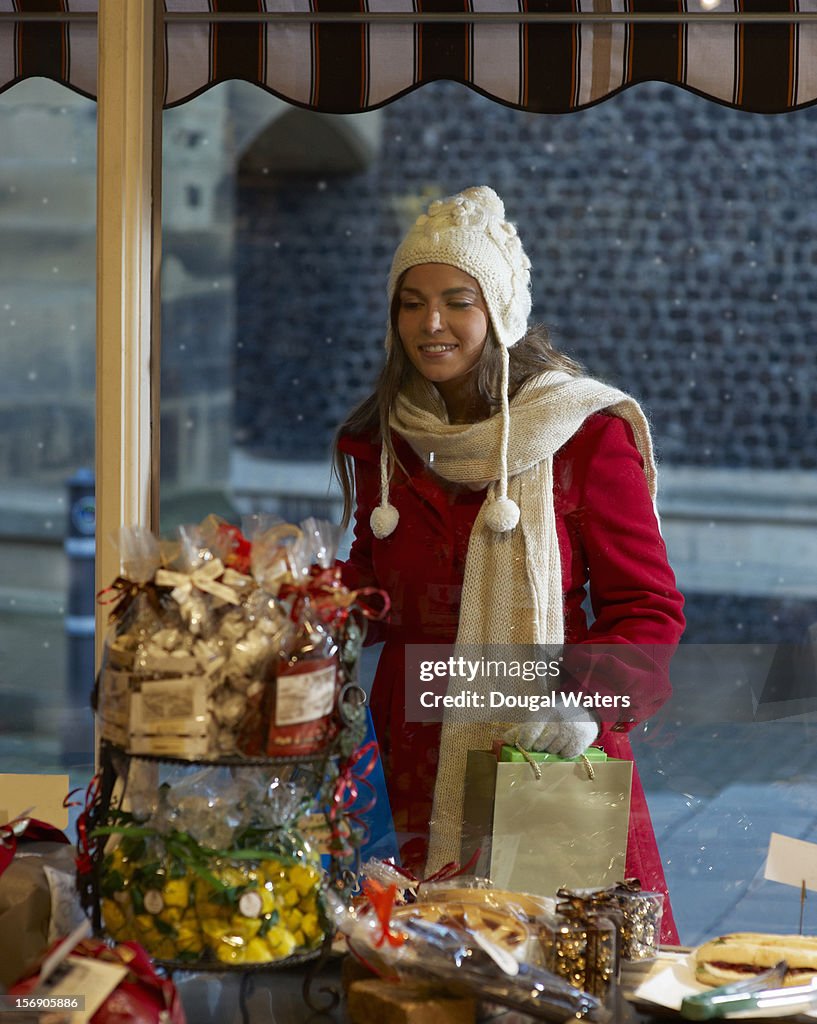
[(221, 646), (208, 877), (202, 585), (241, 912), (296, 715), (410, 945), (636, 914), (580, 945), (303, 686), (139, 610)]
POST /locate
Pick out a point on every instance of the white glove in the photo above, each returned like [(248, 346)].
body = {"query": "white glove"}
[(568, 732)]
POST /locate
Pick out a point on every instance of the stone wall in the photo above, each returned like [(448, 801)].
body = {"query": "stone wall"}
[(674, 248), (673, 243)]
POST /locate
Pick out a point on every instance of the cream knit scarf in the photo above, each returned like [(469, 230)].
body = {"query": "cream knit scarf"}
[(501, 603)]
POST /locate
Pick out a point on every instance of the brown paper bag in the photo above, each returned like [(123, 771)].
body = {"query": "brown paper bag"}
[(26, 906), (564, 829)]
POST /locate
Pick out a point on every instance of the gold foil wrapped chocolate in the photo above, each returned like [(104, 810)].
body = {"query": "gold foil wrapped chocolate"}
[(636, 914), (579, 944)]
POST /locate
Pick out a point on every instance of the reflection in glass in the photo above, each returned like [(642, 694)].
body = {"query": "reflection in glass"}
[(47, 374), (673, 242)]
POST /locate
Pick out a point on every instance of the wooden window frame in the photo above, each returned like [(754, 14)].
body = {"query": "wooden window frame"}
[(129, 165)]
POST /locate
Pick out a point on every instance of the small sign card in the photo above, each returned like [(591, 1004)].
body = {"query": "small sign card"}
[(792, 861), (40, 796)]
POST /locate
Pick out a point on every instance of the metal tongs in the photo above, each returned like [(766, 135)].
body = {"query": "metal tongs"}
[(762, 995)]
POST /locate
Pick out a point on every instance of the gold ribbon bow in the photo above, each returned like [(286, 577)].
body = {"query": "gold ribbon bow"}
[(210, 577)]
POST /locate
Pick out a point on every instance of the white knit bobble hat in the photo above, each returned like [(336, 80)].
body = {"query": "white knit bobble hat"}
[(469, 231)]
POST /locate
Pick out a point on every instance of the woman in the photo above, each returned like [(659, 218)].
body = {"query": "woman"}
[(491, 484)]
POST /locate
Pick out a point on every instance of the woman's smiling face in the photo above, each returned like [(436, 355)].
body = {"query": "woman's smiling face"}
[(443, 322)]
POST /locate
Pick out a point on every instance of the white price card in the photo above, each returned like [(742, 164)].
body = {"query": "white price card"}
[(791, 861), (90, 980)]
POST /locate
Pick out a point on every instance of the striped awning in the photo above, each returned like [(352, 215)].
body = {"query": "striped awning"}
[(345, 56)]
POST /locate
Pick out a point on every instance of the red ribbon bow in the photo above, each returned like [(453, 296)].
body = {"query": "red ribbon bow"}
[(450, 870), (346, 792), (239, 548), (28, 829), (331, 600), (382, 903), (123, 592), (86, 847)]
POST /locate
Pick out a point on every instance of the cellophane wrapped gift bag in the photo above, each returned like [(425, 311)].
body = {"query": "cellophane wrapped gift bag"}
[(213, 867), (219, 646)]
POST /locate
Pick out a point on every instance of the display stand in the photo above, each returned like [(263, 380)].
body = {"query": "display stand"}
[(211, 871)]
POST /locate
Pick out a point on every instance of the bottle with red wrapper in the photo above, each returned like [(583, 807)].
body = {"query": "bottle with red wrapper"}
[(296, 714), (302, 686)]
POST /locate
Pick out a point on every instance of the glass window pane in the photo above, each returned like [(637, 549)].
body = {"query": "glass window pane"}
[(673, 242), (47, 371)]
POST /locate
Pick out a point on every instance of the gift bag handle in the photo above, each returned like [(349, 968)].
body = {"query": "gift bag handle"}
[(537, 768)]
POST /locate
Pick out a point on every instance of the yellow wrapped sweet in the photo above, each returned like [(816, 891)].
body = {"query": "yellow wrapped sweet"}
[(176, 892), (289, 896), (231, 953), (214, 929), (273, 870), (305, 878), (170, 915), (281, 943), (244, 928), (268, 902), (188, 937), (311, 927), (309, 904), (293, 919), (114, 918), (147, 933), (258, 952)]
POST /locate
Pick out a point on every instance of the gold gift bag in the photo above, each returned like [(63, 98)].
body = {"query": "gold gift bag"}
[(549, 825)]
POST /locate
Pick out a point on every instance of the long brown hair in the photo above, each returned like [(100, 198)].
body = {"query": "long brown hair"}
[(531, 355)]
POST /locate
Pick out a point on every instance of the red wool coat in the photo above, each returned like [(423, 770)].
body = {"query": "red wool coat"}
[(608, 539)]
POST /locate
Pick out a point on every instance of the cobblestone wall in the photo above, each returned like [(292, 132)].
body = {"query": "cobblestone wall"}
[(674, 243)]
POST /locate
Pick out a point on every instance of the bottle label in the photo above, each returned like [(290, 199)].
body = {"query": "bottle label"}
[(305, 694)]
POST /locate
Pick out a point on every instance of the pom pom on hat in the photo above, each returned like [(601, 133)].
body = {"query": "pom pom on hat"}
[(502, 515), (384, 519)]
